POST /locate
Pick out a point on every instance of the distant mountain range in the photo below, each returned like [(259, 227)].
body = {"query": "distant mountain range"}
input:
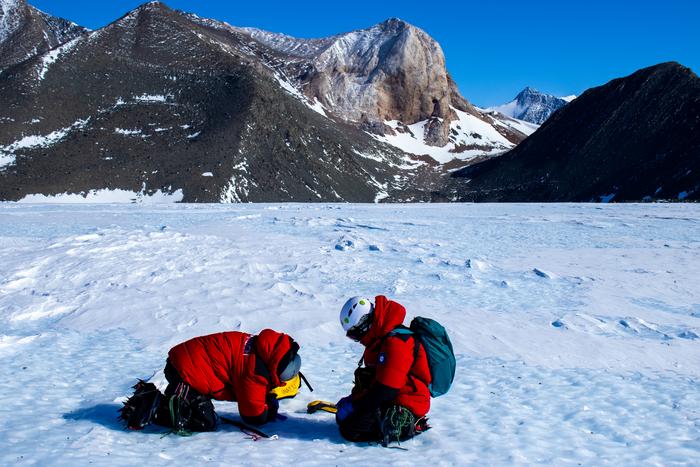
[(533, 106), (163, 102), (634, 138), (158, 98)]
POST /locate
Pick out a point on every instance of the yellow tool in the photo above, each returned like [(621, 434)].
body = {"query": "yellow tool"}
[(326, 406)]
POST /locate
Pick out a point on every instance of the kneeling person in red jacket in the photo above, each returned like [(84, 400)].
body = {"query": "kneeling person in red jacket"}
[(228, 366), (390, 397)]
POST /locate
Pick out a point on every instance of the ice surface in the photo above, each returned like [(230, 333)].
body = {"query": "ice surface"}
[(575, 326)]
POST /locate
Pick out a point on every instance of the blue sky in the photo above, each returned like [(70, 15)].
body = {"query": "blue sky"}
[(493, 48)]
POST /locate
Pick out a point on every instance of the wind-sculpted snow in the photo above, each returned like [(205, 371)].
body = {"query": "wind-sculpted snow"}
[(575, 326)]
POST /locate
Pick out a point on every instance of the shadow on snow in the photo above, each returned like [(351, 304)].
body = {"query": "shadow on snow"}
[(306, 428)]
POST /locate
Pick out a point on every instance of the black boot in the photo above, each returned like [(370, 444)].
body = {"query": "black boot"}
[(139, 410)]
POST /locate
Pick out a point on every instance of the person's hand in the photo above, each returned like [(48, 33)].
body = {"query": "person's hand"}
[(273, 406), (345, 408)]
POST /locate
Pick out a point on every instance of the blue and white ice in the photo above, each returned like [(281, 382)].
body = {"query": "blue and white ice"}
[(576, 326)]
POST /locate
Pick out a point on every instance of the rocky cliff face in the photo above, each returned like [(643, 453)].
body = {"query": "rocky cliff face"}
[(391, 72), (26, 32), (532, 106), (635, 138)]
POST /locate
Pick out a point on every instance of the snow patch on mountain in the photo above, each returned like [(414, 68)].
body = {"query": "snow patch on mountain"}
[(159, 98), (106, 195), (293, 46), (6, 160), (510, 123), (38, 141), (314, 105), (52, 56), (128, 132), (470, 137)]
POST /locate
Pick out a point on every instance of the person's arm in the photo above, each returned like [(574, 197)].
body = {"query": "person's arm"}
[(374, 398), (395, 362), (255, 405), (268, 414)]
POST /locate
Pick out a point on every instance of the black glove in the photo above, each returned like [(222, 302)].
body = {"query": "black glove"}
[(273, 406), (363, 378)]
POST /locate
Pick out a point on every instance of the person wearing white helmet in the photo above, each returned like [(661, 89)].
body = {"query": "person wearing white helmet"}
[(390, 396), (355, 317)]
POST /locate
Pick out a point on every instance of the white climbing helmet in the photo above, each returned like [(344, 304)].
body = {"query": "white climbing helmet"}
[(356, 316)]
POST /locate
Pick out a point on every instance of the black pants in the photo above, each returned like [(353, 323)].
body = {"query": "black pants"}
[(379, 426), (183, 407)]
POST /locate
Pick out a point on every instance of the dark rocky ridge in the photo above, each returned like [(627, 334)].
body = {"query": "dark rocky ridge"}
[(28, 32), (636, 138)]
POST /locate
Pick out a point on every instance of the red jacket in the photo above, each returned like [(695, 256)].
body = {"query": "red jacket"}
[(223, 366), (393, 358)]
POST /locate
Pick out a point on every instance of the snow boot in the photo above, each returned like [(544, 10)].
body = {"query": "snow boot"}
[(140, 409)]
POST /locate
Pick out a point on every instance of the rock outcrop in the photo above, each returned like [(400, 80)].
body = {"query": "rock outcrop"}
[(390, 72)]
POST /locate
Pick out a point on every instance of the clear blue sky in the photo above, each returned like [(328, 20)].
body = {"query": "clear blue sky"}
[(493, 48)]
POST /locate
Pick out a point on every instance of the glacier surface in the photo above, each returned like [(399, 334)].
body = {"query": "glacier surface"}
[(575, 326)]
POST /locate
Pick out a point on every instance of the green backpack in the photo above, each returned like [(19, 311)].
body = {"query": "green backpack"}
[(438, 349)]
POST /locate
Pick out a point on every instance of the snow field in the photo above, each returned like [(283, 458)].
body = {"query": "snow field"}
[(575, 326)]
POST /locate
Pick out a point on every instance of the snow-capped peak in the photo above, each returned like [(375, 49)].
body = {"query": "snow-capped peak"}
[(532, 106), (9, 18)]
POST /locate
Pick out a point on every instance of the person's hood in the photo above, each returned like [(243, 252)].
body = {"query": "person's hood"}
[(270, 347), (387, 316)]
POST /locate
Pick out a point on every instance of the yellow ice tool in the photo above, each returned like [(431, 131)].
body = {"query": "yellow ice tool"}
[(326, 406), (289, 389)]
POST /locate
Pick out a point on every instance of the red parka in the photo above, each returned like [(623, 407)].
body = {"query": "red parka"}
[(223, 366), (393, 358)]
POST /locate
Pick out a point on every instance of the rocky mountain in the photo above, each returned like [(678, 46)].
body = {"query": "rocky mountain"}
[(26, 32), (532, 106), (390, 80), (634, 138), (156, 103), (161, 101)]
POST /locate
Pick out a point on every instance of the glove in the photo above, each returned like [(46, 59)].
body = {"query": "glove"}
[(345, 408), (273, 406)]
